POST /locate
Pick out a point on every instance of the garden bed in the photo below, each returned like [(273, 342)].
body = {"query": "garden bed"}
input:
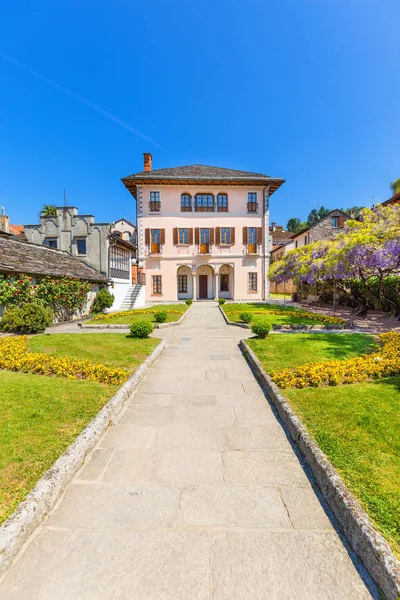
[(280, 315), (356, 425), (40, 416), (174, 313)]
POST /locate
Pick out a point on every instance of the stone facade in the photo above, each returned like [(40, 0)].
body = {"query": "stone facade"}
[(328, 228), (65, 232)]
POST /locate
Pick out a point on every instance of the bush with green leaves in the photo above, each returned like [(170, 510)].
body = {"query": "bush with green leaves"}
[(221, 301), (189, 301), (27, 318), (246, 317), (141, 329), (103, 300), (160, 316), (261, 328)]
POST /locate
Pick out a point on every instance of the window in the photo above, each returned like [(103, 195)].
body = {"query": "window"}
[(224, 283), (252, 236), (81, 245), (204, 236), (204, 202), (305, 240), (154, 201), (120, 262), (186, 203), (157, 286), (252, 282), (225, 235), (252, 202), (182, 284), (222, 203), (183, 236), (296, 244), (335, 221), (155, 236), (52, 242)]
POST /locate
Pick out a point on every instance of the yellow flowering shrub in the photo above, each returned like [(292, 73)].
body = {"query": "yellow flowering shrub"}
[(302, 314), (105, 317), (384, 363), (15, 356)]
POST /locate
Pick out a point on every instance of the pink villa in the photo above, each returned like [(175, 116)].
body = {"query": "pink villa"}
[(202, 232)]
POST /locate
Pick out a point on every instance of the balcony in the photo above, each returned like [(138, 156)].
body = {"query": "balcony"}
[(154, 206), (204, 248), (252, 249), (252, 207), (155, 249)]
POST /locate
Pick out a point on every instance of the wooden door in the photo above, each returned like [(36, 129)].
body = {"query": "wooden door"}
[(203, 284)]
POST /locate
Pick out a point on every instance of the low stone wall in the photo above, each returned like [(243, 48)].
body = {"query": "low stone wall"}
[(366, 541), (282, 288)]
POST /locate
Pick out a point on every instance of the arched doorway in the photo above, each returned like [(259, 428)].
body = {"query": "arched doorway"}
[(226, 282), (184, 283), (205, 282)]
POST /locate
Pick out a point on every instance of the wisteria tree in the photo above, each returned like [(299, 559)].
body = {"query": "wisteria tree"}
[(368, 250)]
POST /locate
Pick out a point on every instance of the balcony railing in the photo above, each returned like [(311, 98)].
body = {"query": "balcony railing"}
[(252, 249), (204, 249), (252, 207), (155, 249)]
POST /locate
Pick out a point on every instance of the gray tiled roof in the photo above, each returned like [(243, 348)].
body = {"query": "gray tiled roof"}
[(198, 172), (21, 257)]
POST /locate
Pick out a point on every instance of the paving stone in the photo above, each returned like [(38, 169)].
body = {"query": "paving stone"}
[(219, 416), (256, 437), (129, 435), (184, 436), (249, 415), (282, 566), (95, 464), (146, 414), (234, 506), (264, 468), (142, 566), (191, 467), (305, 509), (117, 507)]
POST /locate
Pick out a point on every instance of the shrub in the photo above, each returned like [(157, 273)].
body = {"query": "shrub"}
[(141, 329), (261, 328), (103, 300), (188, 301), (160, 316), (28, 318), (221, 301), (246, 317)]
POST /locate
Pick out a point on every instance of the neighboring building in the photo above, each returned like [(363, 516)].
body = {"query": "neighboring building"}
[(21, 258), (6, 228), (395, 199), (325, 229), (92, 243), (279, 235), (126, 229), (203, 232)]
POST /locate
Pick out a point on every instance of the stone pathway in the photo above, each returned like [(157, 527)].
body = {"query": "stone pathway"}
[(196, 493)]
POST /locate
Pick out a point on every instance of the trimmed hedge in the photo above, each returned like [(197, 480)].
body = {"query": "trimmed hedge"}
[(141, 329)]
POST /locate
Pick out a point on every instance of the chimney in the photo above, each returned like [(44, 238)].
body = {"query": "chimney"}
[(351, 212), (273, 225), (148, 161), (4, 222)]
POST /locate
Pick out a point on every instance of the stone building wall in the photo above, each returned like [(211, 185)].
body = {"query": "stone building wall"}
[(324, 229)]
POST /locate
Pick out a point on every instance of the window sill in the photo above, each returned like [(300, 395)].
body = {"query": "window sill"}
[(156, 294)]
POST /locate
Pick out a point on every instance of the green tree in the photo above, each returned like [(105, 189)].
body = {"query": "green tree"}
[(48, 210), (316, 215), (395, 185), (294, 225), (355, 208)]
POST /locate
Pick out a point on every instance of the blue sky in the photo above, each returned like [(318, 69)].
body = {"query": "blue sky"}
[(306, 90)]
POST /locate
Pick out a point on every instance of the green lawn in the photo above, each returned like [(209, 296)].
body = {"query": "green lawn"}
[(287, 314), (358, 428), (280, 296), (286, 350), (142, 314), (39, 417), (110, 349)]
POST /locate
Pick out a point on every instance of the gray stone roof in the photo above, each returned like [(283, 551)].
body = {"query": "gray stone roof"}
[(199, 172), (31, 259)]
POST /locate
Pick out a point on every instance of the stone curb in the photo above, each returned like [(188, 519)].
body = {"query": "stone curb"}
[(294, 328), (126, 327), (365, 540), (30, 513)]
